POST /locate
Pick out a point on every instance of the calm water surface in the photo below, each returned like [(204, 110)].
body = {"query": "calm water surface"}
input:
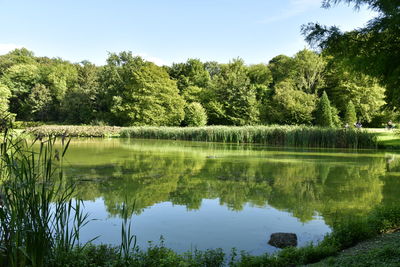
[(208, 195)]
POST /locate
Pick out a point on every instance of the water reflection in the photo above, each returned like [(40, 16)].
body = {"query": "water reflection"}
[(225, 188)]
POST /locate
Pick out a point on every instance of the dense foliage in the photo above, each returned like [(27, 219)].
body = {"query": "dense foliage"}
[(373, 49), (129, 91)]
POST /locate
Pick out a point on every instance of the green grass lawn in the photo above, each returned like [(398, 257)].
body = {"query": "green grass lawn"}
[(387, 138), (383, 250)]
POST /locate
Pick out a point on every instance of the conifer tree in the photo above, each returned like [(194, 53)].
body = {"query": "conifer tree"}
[(350, 116), (323, 113)]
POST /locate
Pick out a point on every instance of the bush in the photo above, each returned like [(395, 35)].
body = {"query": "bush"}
[(74, 131), (384, 219), (195, 115)]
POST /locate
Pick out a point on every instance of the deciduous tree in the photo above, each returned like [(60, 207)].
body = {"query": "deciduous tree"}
[(232, 98), (373, 49)]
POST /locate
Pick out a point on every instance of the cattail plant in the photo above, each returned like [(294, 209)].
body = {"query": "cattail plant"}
[(37, 216), (288, 136)]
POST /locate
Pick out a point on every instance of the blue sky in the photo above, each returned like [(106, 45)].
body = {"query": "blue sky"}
[(166, 31)]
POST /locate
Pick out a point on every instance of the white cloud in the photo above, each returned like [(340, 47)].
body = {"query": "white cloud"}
[(294, 8), (156, 60), (5, 48)]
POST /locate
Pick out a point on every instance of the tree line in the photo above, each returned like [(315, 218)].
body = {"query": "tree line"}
[(353, 77), (308, 88)]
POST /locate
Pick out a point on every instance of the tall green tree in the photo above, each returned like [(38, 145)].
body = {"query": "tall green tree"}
[(295, 79), (59, 77), (213, 68), (15, 57), (80, 104), (190, 73), (323, 113), (113, 78), (195, 115), (281, 68), (336, 121), (290, 106), (192, 79), (344, 84), (141, 93), (233, 99), (305, 69), (39, 103), (350, 116), (5, 95), (373, 49), (308, 71), (260, 78), (20, 79)]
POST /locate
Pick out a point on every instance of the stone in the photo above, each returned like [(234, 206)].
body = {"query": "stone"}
[(283, 240)]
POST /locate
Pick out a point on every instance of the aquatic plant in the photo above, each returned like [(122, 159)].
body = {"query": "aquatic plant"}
[(289, 136), (37, 215)]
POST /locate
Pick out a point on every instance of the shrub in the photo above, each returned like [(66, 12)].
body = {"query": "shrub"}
[(195, 115), (74, 131)]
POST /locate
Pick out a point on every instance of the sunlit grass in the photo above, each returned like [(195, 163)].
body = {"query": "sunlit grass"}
[(388, 139)]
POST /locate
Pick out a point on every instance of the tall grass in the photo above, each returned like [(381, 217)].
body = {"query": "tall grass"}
[(37, 215), (40, 221), (289, 136)]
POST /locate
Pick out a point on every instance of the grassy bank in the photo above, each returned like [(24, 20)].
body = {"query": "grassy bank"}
[(289, 136), (383, 250), (388, 139)]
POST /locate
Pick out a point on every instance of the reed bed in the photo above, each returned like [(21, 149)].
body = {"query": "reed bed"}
[(285, 136), (288, 136), (74, 131), (36, 207), (40, 221)]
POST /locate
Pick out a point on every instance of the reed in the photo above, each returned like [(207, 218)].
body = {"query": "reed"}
[(288, 136), (37, 217), (40, 220)]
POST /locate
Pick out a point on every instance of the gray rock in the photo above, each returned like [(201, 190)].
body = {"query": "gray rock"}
[(283, 240)]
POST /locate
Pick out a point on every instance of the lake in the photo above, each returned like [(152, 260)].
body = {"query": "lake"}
[(213, 195)]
